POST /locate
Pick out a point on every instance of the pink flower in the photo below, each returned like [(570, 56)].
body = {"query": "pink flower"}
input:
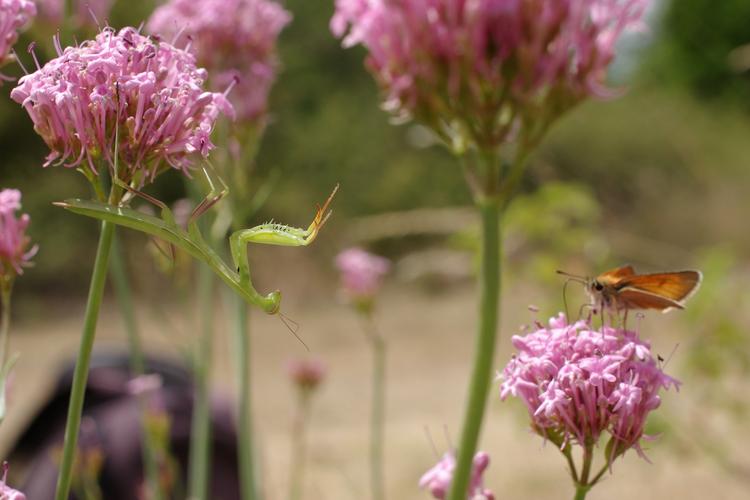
[(6, 492), (438, 479), (578, 382), (14, 15), (234, 39), (306, 373), (14, 243), (361, 273), (149, 94), (85, 12), (487, 69)]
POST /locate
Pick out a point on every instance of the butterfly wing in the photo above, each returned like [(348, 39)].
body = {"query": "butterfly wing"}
[(633, 298), (676, 286), (615, 276)]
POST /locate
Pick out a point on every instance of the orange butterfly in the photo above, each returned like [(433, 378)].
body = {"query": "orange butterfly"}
[(621, 289)]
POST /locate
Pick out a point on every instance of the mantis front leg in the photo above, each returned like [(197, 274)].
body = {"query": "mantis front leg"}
[(273, 234)]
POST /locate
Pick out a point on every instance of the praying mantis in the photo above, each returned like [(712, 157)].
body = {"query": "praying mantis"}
[(191, 240)]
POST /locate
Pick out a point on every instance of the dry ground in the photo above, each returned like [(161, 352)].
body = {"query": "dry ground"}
[(430, 342)]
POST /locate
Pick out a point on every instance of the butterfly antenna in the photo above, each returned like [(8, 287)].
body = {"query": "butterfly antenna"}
[(293, 327), (430, 440), (573, 277), (447, 436), (565, 299), (669, 358)]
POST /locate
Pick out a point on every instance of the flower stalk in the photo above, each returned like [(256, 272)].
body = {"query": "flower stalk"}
[(306, 375), (80, 375), (481, 377), (299, 445), (378, 410), (124, 296), (200, 434), (248, 486)]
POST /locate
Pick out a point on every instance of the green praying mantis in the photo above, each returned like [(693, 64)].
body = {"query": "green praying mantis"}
[(191, 240)]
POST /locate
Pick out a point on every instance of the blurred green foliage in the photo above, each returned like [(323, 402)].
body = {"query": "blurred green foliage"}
[(664, 170), (701, 47)]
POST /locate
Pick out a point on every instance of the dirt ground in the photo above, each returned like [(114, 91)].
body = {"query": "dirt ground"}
[(430, 341)]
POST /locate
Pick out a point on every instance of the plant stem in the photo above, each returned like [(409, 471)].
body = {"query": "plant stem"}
[(244, 420), (484, 348), (299, 445), (80, 376), (5, 294), (200, 435), (581, 492), (377, 418), (124, 295)]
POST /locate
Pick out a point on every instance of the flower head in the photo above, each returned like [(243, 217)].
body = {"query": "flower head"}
[(437, 480), (307, 374), (578, 382), (361, 273), (15, 253), (487, 69), (14, 15), (234, 39), (6, 492), (85, 12), (122, 92)]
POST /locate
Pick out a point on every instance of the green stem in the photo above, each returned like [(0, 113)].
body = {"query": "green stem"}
[(484, 347), (299, 445), (377, 419), (80, 376), (5, 294), (200, 436), (124, 296), (581, 492), (582, 485), (244, 421)]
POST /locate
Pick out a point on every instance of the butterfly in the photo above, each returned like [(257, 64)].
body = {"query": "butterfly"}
[(622, 289)]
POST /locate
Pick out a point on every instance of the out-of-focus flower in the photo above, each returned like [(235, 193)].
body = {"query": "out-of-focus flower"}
[(487, 70), (84, 12), (6, 492), (122, 85), (578, 382), (14, 15), (437, 480), (234, 39), (15, 253), (361, 274), (306, 373)]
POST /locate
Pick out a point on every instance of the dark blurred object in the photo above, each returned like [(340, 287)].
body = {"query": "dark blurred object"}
[(111, 425), (701, 47)]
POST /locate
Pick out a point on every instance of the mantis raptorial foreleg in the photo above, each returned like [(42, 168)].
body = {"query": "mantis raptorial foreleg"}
[(275, 234)]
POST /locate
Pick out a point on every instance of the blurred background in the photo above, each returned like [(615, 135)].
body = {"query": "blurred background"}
[(658, 178)]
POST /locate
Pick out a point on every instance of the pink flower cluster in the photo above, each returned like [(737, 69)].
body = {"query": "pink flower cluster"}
[(15, 253), (85, 12), (306, 373), (6, 492), (578, 382), (490, 64), (14, 15), (438, 479), (150, 95), (361, 273), (234, 39)]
